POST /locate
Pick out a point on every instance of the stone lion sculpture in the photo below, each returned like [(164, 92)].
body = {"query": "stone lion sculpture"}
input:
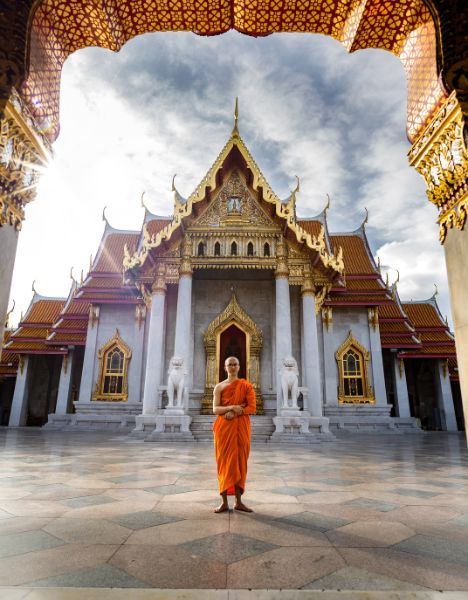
[(289, 374), (175, 382)]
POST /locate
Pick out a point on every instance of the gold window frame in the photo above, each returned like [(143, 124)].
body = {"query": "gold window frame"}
[(367, 396), (116, 342)]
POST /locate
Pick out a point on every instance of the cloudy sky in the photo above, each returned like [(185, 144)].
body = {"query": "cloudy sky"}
[(164, 105)]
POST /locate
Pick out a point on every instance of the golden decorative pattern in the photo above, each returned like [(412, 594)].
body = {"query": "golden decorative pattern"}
[(112, 383), (373, 317), (286, 211), (441, 157), (327, 316), (60, 27), (22, 154), (353, 386), (233, 314)]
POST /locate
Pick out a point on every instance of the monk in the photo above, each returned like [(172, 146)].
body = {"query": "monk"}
[(233, 402)]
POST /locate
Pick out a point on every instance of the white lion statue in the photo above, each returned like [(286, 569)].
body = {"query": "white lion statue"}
[(290, 382), (175, 382)]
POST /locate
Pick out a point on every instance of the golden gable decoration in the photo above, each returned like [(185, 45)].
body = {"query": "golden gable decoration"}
[(112, 383)]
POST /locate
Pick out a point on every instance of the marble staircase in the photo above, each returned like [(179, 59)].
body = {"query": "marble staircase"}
[(202, 428)]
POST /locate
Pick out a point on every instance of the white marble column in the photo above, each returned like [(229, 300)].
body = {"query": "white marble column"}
[(183, 318), (283, 330), (19, 405), (155, 352), (90, 357), (8, 244), (311, 375), (444, 396), (136, 365), (63, 395), (400, 387), (378, 378)]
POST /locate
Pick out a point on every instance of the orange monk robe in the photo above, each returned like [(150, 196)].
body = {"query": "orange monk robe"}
[(232, 438)]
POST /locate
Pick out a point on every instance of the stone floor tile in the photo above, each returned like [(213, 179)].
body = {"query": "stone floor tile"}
[(271, 530), (370, 534), (27, 507), (170, 567), (335, 497), (17, 570), (180, 532), (20, 524), (352, 578), (87, 531), (290, 491), (461, 520), (413, 492), (165, 490), (141, 520), (88, 501), (435, 547), (369, 503), (103, 576), (420, 570), (28, 541), (310, 520), (228, 547), (283, 568)]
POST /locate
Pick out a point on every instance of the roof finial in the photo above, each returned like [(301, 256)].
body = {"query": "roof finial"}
[(298, 186), (174, 189), (235, 129), (142, 201), (327, 205), (104, 218), (436, 291), (446, 321), (366, 218), (81, 277), (397, 279), (71, 275), (90, 263), (33, 287), (387, 282), (378, 265)]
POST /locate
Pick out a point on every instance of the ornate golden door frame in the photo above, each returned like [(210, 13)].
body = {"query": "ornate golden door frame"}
[(233, 314)]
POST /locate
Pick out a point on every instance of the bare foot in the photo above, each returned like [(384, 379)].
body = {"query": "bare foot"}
[(223, 507), (241, 506)]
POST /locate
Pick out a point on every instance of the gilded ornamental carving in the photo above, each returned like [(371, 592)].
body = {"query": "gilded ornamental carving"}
[(440, 156)]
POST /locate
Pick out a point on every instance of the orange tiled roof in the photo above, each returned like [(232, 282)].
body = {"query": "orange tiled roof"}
[(8, 360), (312, 227), (111, 251), (423, 314), (155, 225), (44, 311), (355, 255)]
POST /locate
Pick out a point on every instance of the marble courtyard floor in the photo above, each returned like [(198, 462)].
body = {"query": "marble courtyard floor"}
[(93, 510)]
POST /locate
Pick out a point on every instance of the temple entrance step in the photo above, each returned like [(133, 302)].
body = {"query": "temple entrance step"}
[(202, 428)]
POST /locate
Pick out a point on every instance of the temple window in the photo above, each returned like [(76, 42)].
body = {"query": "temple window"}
[(217, 249), (201, 249), (112, 384), (250, 249), (352, 359), (233, 249), (266, 249)]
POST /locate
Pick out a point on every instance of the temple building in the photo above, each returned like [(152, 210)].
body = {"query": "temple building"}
[(140, 343)]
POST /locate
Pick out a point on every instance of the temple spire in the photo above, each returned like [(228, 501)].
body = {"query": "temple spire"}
[(235, 130)]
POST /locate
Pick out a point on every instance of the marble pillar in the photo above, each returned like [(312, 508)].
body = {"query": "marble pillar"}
[(283, 331), (400, 387), (64, 389), (90, 357), (330, 369), (184, 320), (311, 374), (155, 352), (19, 405), (378, 378), (8, 245), (444, 396)]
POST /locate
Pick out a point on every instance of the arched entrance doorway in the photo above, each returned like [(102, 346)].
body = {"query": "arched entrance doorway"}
[(232, 333), (233, 342)]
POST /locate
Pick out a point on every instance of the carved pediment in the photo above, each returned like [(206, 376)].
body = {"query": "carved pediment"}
[(234, 207)]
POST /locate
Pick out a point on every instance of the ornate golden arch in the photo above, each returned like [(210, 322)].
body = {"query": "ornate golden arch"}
[(367, 396), (116, 342), (233, 314)]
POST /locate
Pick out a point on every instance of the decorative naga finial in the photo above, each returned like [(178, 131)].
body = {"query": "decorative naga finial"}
[(71, 275), (327, 205), (436, 291), (235, 129), (379, 267), (81, 277), (397, 279), (104, 218), (387, 282), (174, 189), (90, 263), (33, 288), (142, 201), (298, 186), (366, 218)]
